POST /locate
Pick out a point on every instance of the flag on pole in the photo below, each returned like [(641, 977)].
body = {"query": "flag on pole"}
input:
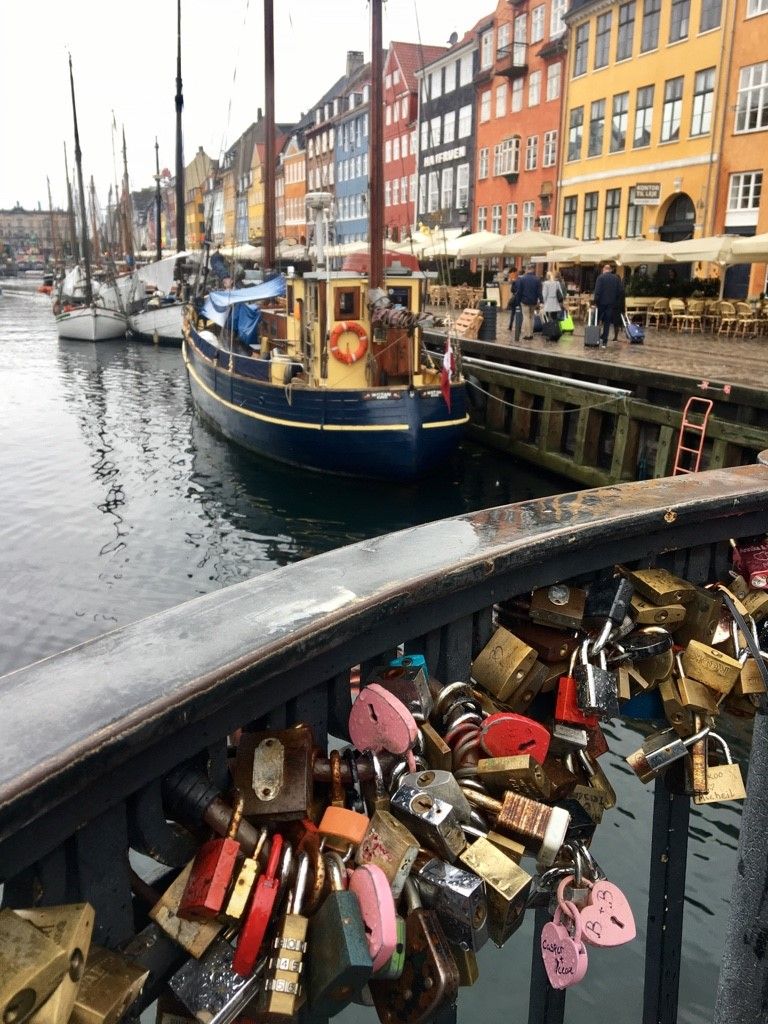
[(447, 372)]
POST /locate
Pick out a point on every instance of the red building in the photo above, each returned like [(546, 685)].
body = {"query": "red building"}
[(401, 108), (519, 84)]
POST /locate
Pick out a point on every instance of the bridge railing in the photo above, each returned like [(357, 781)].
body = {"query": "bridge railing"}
[(89, 734)]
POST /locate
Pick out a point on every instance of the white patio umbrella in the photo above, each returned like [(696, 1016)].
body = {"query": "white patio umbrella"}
[(420, 241), (635, 251), (479, 243), (710, 249), (585, 252), (752, 249), (533, 243)]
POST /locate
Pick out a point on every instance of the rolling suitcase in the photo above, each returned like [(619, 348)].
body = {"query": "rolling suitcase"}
[(635, 333), (592, 330), (550, 328)]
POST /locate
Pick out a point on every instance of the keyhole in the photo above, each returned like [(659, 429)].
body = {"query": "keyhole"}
[(527, 745), (372, 712), (617, 922)]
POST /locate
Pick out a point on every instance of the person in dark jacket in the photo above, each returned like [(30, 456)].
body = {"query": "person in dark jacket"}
[(609, 298), (529, 297), (514, 307)]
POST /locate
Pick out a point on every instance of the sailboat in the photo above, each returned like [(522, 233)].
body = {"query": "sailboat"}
[(327, 371), (81, 314)]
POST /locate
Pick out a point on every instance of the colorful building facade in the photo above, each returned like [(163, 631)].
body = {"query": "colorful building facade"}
[(351, 162)]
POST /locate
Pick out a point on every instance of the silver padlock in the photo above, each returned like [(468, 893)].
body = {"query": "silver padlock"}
[(211, 990), (431, 820), (459, 898), (406, 679), (596, 686), (661, 750), (443, 785)]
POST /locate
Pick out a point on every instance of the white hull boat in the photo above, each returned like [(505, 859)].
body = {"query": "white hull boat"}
[(160, 323), (91, 323)]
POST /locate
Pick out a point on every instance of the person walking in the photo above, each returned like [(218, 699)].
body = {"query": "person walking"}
[(529, 297), (608, 297), (552, 296), (515, 310)]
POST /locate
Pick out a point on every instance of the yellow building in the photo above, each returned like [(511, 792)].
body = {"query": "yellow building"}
[(642, 118), (196, 175)]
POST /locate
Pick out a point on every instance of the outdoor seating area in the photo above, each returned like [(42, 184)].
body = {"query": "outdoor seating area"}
[(454, 296), (718, 316)]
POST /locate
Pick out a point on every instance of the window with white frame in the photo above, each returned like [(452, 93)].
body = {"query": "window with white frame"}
[(403, 145), (450, 76), (413, 142), (365, 164), (744, 191), (446, 196), (465, 70), (465, 121), (603, 39), (643, 117), (553, 80), (590, 216), (424, 135), (549, 153), (570, 213), (388, 81), (412, 188), (537, 24), (755, 7), (531, 152), (387, 151), (534, 88), (503, 33), (612, 210), (404, 108), (396, 111), (634, 216), (672, 111), (703, 95), (501, 99), (556, 12), (449, 126), (482, 218), (388, 114), (581, 51), (396, 148), (711, 12), (679, 20), (395, 77), (462, 186), (311, 148), (529, 215), (485, 106), (387, 193), (482, 163), (511, 218), (521, 38), (434, 131), (436, 83), (365, 126), (404, 189), (486, 49), (496, 218), (422, 193), (433, 200), (506, 156), (517, 95), (752, 100), (395, 191), (330, 174), (619, 117)]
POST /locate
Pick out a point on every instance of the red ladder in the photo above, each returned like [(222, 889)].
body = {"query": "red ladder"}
[(699, 407)]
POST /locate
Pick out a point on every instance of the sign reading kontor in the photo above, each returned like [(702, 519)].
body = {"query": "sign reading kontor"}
[(647, 193)]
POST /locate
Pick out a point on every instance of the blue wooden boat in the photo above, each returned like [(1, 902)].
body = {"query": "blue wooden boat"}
[(311, 372)]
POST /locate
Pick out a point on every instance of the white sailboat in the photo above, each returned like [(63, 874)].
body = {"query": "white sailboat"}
[(159, 318)]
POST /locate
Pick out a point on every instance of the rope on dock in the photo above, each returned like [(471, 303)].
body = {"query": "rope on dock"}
[(550, 412)]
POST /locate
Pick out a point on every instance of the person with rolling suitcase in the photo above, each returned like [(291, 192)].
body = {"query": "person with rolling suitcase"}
[(592, 330), (635, 333), (608, 297)]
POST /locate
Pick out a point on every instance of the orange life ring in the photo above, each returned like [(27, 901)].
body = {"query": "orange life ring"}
[(349, 356)]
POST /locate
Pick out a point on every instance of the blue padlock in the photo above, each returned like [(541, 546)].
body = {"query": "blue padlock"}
[(646, 705)]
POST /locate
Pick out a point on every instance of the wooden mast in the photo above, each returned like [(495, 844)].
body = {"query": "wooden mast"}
[(375, 162), (71, 212), (180, 211), (54, 247), (158, 204), (126, 204), (95, 246), (269, 136), (81, 196)]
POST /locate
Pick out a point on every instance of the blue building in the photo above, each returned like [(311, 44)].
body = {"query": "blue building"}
[(351, 160)]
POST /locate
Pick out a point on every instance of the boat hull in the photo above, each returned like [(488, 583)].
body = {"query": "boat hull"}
[(163, 324), (91, 324), (395, 433)]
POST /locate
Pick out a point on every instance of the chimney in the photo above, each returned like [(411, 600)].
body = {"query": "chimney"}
[(355, 60), (258, 113)]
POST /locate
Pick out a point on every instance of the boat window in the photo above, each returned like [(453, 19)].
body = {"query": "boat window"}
[(400, 296), (347, 304)]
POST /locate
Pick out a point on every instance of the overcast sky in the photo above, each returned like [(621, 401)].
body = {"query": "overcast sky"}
[(124, 57)]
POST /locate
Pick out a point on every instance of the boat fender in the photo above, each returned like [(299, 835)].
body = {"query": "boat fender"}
[(349, 355), (56, 308)]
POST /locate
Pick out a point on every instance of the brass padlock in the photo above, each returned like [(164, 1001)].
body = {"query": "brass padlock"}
[(273, 772), (436, 750), (702, 615), (693, 694), (390, 846), (645, 613), (508, 846), (466, 964), (507, 887), (725, 781), (715, 669), (193, 936), (756, 604), (520, 773), (70, 927), (661, 587), (750, 679), (522, 696), (503, 664), (109, 985), (31, 966), (558, 605)]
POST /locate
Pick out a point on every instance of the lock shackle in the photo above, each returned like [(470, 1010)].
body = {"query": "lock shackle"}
[(299, 892), (578, 863), (412, 895), (336, 871), (703, 733), (726, 749), (594, 870), (450, 695), (474, 784), (572, 663), (287, 866), (471, 830), (337, 786), (237, 815)]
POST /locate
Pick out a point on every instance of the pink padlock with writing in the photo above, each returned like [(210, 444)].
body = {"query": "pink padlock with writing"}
[(379, 721), (565, 956), (606, 918), (505, 734), (377, 908)]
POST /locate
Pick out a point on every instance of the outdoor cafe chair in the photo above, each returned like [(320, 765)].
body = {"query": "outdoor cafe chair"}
[(658, 314), (676, 314)]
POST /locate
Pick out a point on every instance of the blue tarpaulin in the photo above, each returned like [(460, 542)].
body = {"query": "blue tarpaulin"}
[(245, 321), (217, 305)]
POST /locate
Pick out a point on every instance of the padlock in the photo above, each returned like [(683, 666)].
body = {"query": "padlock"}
[(31, 966), (678, 716), (211, 874), (70, 927), (520, 774), (693, 694), (561, 773), (750, 558), (702, 615), (340, 963), (431, 820), (377, 907), (507, 887), (550, 645), (597, 782), (407, 679), (750, 679), (530, 686), (466, 965), (724, 781), (505, 734), (109, 985), (393, 968), (644, 613), (457, 896), (442, 785), (558, 605), (242, 887), (567, 710), (273, 772), (211, 989), (541, 828), (193, 936), (564, 954), (596, 692), (283, 976), (660, 750), (661, 587), (503, 664), (756, 604), (436, 750), (341, 828), (388, 844), (430, 978), (379, 721), (508, 846), (251, 937), (711, 667)]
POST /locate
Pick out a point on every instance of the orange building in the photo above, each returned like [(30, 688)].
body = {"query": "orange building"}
[(294, 163), (519, 84), (742, 206)]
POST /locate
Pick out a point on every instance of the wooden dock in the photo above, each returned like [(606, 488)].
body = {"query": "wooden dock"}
[(630, 430)]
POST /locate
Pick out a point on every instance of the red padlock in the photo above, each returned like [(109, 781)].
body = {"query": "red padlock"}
[(750, 560), (567, 709), (251, 937), (505, 734), (212, 872)]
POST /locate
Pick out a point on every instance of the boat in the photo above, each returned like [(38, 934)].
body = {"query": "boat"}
[(158, 314), (92, 317), (327, 371)]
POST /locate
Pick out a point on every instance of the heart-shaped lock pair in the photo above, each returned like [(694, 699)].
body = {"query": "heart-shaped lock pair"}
[(379, 721), (564, 955), (607, 918), (505, 734)]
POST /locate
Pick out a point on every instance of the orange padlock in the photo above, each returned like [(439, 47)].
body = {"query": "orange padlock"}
[(340, 828)]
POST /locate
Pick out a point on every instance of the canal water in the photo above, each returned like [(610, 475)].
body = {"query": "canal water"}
[(117, 502)]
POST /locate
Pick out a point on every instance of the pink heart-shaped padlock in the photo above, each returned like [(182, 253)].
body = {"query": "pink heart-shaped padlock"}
[(377, 908), (506, 734), (565, 957), (607, 919), (379, 721)]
